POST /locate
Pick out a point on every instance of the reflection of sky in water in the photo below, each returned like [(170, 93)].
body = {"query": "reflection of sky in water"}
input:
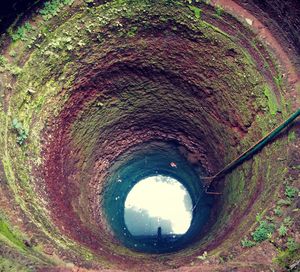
[(158, 201)]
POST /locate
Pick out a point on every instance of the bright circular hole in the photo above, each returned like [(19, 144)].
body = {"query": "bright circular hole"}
[(158, 206)]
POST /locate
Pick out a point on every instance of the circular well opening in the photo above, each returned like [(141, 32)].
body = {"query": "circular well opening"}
[(155, 202), (158, 208)]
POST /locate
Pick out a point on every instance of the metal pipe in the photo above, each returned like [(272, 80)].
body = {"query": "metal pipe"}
[(251, 151)]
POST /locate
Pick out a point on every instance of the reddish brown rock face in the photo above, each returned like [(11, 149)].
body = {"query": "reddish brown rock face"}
[(101, 85)]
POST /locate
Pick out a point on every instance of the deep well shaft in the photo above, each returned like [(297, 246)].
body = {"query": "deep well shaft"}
[(97, 96)]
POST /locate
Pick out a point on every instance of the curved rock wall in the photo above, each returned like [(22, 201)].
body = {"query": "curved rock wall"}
[(93, 81)]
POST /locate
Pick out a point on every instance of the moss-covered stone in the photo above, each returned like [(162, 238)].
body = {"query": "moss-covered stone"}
[(101, 78)]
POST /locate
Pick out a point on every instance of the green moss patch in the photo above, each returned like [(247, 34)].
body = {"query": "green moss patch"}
[(272, 100), (8, 235)]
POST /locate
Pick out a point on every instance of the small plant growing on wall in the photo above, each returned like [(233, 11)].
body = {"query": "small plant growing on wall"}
[(53, 7), (282, 230), (21, 32), (263, 231), (278, 80), (219, 10), (22, 134), (291, 192), (197, 11), (247, 243)]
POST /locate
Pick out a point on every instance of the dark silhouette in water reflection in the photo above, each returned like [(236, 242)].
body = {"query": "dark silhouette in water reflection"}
[(158, 235), (140, 223)]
